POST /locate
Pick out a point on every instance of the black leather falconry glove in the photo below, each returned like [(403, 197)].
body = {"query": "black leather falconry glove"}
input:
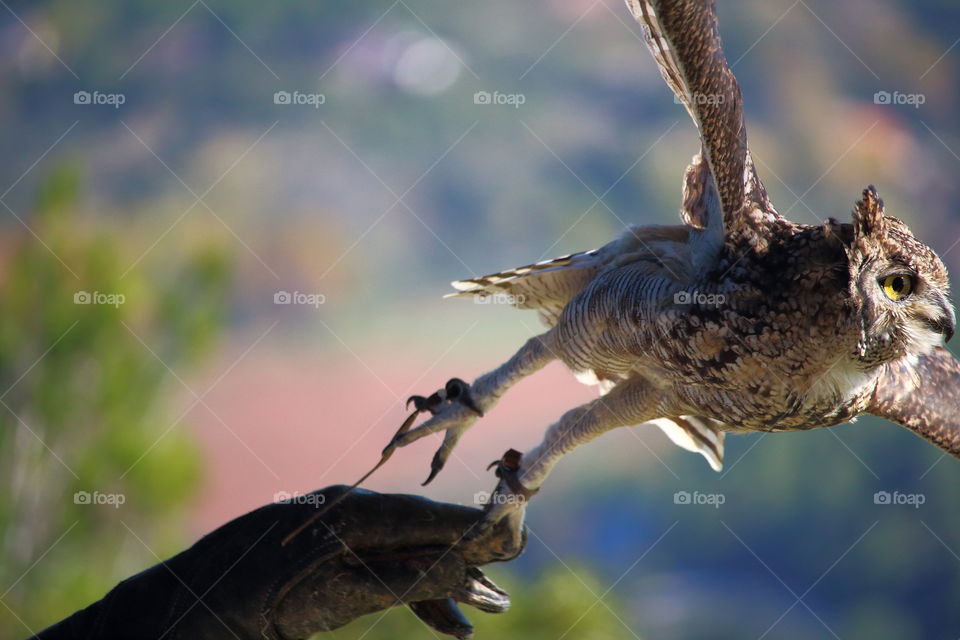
[(369, 552)]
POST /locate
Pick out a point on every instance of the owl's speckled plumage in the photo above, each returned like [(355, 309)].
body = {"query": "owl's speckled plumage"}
[(737, 319)]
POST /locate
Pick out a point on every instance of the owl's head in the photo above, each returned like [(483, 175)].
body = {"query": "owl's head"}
[(898, 287)]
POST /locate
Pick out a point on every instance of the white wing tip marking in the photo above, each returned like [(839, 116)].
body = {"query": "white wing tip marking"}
[(462, 285), (682, 438)]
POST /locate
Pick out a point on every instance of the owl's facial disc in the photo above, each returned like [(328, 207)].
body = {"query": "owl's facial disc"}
[(921, 308)]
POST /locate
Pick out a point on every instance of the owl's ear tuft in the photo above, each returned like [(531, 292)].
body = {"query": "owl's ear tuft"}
[(868, 215)]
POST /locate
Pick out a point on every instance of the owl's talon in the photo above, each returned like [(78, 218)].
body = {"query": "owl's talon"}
[(453, 409), (457, 390), (422, 404), (435, 468), (506, 504), (436, 465), (508, 470), (450, 439)]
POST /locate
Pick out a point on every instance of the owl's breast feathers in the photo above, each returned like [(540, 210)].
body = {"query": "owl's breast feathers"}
[(767, 339)]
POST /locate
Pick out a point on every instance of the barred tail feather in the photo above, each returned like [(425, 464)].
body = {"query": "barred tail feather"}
[(545, 286), (486, 285), (700, 435), (549, 285)]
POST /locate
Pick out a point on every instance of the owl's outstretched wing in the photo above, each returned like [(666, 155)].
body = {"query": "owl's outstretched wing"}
[(684, 39), (923, 397)]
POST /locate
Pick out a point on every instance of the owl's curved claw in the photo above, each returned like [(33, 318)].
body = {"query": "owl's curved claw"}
[(450, 439), (455, 390), (435, 468), (421, 404), (453, 409), (450, 407), (508, 470), (507, 503)]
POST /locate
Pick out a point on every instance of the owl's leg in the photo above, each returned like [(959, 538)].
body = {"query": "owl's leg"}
[(632, 401), (455, 415)]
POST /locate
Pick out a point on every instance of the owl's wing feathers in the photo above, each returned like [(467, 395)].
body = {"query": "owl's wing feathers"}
[(923, 397), (549, 285), (685, 41)]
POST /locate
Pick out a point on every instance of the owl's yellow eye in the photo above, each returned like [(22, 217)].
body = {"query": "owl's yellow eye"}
[(897, 286)]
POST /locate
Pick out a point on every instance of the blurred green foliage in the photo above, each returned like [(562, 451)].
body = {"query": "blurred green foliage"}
[(80, 387)]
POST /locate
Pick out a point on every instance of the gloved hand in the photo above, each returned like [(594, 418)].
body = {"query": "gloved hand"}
[(369, 552)]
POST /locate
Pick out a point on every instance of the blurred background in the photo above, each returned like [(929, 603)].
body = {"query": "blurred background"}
[(227, 227)]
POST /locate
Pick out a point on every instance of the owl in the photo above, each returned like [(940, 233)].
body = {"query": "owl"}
[(735, 320)]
